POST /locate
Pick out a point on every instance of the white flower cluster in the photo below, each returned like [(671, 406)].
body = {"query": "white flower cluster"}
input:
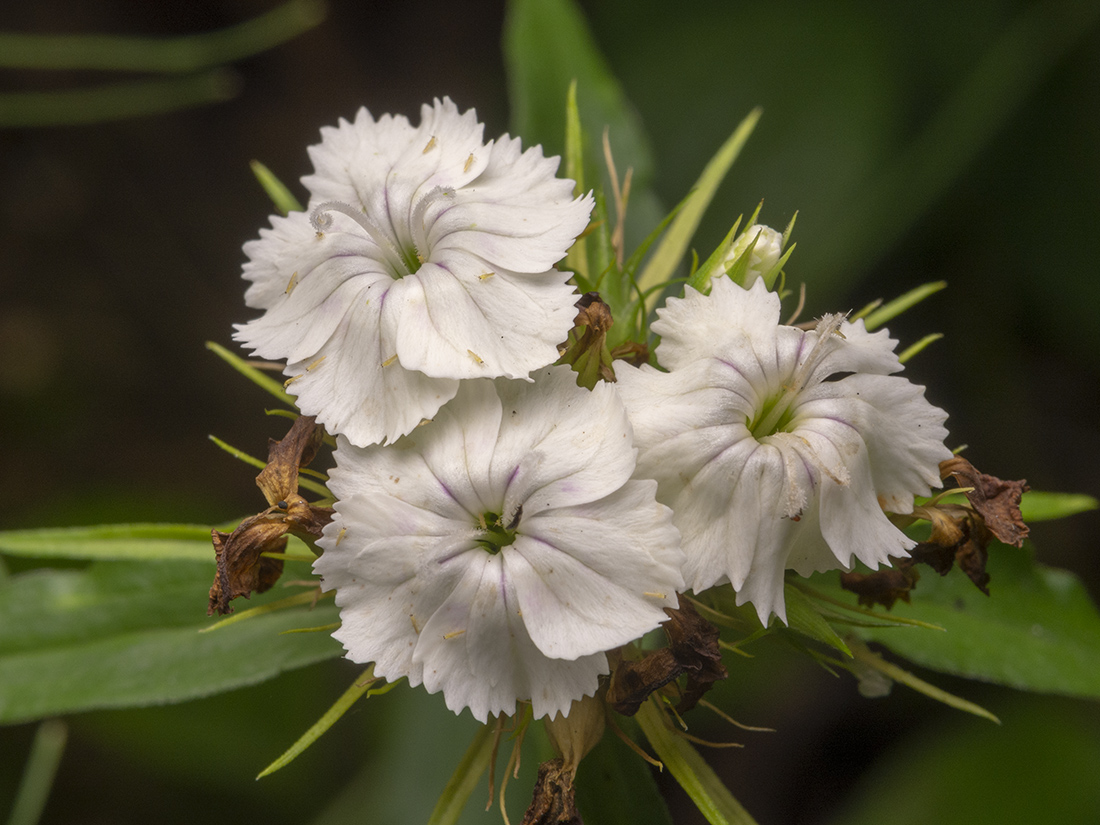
[(498, 552)]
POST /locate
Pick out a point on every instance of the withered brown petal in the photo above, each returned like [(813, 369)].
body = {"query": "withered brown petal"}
[(299, 447), (972, 555), (305, 520), (632, 682), (996, 501), (632, 352), (883, 587), (241, 568), (554, 801), (692, 649), (939, 557), (694, 644)]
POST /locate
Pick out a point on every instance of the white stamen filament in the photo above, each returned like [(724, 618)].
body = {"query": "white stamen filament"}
[(322, 221), (416, 223)]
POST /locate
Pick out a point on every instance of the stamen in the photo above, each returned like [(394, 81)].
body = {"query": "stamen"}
[(486, 276), (292, 379), (316, 363), (390, 360), (469, 163), (293, 283), (826, 327), (454, 634), (322, 221), (431, 145), (340, 536), (419, 230), (475, 356), (655, 595), (416, 627)]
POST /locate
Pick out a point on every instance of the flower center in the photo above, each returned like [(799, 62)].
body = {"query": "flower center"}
[(494, 534), (777, 412), (400, 259)]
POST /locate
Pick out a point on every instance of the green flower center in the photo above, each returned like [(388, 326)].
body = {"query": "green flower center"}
[(494, 534)]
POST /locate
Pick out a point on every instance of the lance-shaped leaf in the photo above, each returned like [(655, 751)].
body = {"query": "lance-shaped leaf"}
[(1038, 629), (121, 634)]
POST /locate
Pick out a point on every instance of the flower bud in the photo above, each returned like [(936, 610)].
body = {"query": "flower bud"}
[(766, 249)]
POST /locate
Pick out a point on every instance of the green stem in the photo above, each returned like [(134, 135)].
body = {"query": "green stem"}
[(38, 776)]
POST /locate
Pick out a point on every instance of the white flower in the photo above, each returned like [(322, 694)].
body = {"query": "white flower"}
[(427, 257), (500, 550), (777, 447)]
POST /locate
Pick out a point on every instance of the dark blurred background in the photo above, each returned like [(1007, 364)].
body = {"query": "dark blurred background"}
[(121, 256)]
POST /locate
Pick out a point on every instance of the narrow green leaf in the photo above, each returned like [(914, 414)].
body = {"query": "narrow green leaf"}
[(1038, 630), (807, 620), (105, 52), (548, 46), (465, 778), (700, 279), (1040, 506), (237, 453), (689, 769), (306, 597), (350, 696), (668, 255), (115, 101), (865, 656), (897, 306), (280, 195), (38, 776), (153, 542), (257, 377), (576, 260), (918, 347)]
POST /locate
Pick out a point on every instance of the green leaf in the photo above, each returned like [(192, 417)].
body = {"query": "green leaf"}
[(465, 778), (688, 768), (112, 541), (918, 347), (159, 54), (807, 620), (547, 45), (1038, 630), (670, 253), (38, 776), (903, 302), (616, 787), (257, 377), (1039, 767), (122, 634), (1039, 506), (280, 195), (361, 685), (867, 658)]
